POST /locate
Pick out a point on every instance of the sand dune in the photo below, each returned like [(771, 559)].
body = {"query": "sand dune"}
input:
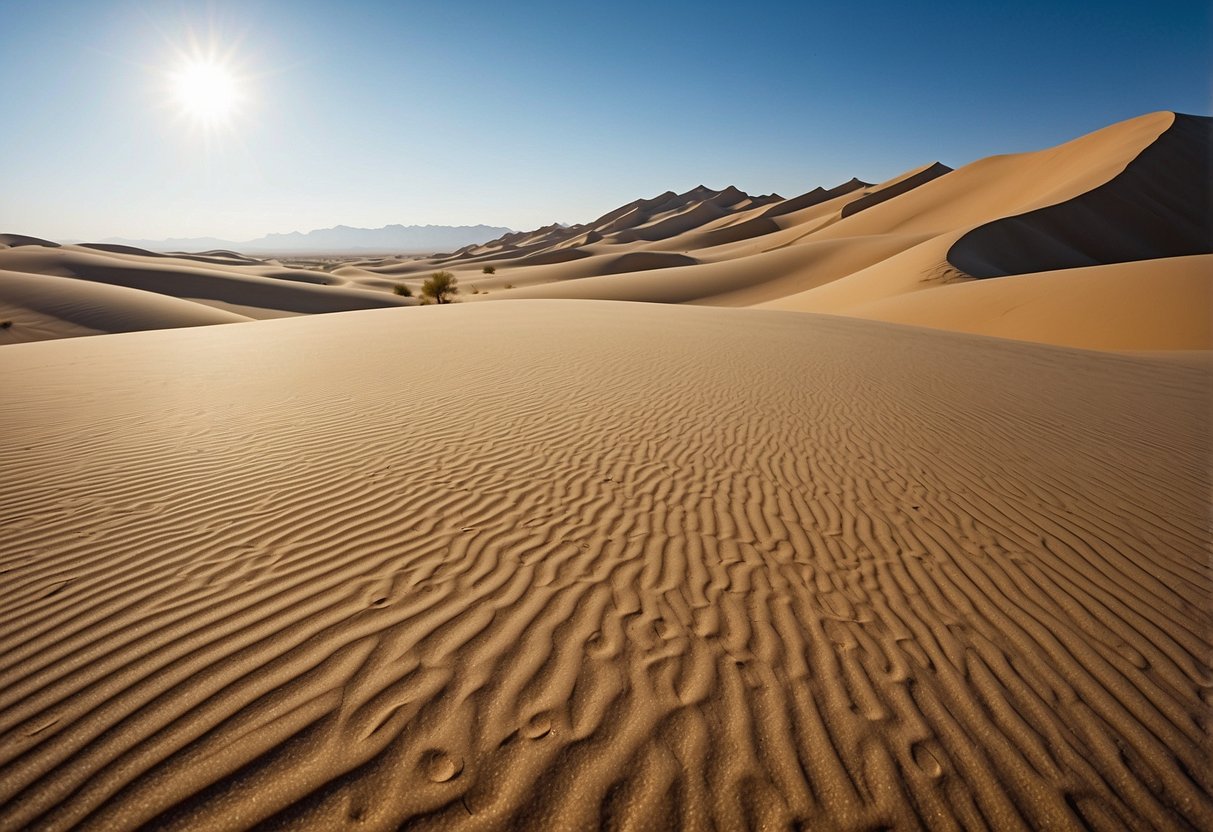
[(273, 289), (589, 564), (726, 282), (41, 307), (896, 187), (1156, 204), (570, 563), (1138, 190), (17, 240), (1164, 304), (1134, 191)]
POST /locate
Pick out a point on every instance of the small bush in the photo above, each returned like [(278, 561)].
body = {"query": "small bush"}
[(508, 286), (490, 270), (5, 324), (441, 287), (402, 290)]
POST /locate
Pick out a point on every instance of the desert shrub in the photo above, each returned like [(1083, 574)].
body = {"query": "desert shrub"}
[(508, 286), (490, 270), (402, 290), (441, 287), (5, 324)]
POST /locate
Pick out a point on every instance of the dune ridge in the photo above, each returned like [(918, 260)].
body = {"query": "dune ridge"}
[(1154, 205), (40, 307), (1135, 191), (462, 586)]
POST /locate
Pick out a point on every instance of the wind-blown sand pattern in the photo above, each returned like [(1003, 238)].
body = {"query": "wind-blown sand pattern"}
[(593, 564)]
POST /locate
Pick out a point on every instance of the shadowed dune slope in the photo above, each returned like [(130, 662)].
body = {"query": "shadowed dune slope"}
[(590, 565), (18, 240), (902, 184), (1136, 190), (42, 307), (1159, 206), (201, 282)]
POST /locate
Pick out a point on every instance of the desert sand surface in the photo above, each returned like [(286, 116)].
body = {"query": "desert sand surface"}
[(602, 564), (882, 506), (1136, 192)]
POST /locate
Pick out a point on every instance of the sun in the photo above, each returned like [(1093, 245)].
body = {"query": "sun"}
[(205, 90)]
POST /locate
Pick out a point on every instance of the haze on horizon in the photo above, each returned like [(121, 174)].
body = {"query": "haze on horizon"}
[(372, 113)]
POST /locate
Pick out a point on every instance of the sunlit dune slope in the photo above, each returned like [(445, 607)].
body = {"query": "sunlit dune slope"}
[(1164, 304), (1136, 191)]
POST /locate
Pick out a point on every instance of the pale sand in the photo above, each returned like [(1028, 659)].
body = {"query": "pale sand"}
[(127, 280), (40, 307), (576, 564)]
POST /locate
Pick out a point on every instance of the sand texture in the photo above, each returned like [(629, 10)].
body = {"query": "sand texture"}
[(561, 564)]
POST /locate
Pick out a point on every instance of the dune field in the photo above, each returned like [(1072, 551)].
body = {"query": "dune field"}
[(884, 506), (1127, 206)]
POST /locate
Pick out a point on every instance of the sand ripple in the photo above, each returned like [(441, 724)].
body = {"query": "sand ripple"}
[(564, 565)]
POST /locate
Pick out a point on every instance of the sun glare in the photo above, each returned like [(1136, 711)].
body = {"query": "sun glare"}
[(206, 91)]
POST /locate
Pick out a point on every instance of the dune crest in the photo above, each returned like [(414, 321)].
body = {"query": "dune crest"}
[(1154, 208), (1136, 191)]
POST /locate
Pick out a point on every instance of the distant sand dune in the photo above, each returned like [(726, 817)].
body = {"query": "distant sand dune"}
[(589, 565), (271, 288), (17, 240), (40, 307), (1136, 191), (897, 187)]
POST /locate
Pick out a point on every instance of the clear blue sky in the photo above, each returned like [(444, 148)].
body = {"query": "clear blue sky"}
[(523, 113)]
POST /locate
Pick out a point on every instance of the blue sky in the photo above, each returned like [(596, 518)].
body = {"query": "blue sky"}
[(524, 113)]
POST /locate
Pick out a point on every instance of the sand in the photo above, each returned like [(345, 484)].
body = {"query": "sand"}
[(1137, 191), (119, 289), (1134, 192), (887, 508), (591, 564)]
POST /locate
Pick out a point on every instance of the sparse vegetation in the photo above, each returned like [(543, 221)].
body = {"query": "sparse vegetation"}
[(475, 291), (402, 290), (441, 287), (5, 324), (490, 270), (508, 286)]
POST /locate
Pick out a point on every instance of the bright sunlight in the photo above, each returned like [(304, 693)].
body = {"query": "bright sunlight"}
[(206, 91)]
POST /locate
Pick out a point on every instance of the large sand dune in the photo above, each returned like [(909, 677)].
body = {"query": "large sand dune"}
[(1137, 191), (581, 565)]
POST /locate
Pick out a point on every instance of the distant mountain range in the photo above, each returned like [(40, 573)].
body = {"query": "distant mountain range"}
[(390, 239)]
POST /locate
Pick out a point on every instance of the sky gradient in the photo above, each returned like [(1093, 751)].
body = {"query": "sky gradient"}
[(365, 113)]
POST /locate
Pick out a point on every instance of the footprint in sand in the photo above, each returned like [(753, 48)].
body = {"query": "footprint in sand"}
[(440, 766), (538, 726)]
